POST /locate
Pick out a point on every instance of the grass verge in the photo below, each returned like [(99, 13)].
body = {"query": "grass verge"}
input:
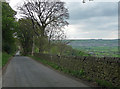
[(53, 65), (5, 58)]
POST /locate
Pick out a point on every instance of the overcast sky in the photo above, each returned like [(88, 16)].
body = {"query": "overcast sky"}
[(92, 20)]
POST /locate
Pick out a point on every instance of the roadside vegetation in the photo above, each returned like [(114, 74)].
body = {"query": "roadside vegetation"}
[(79, 74), (9, 27), (5, 58)]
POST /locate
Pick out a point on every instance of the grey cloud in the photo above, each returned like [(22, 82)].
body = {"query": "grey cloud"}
[(95, 20), (77, 10), (103, 23)]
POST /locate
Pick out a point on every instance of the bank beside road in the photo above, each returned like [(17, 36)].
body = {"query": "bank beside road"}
[(5, 58)]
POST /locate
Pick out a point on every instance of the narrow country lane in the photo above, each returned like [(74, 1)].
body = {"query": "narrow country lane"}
[(25, 72)]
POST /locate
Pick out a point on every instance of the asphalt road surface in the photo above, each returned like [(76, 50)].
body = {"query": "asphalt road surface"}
[(26, 72)]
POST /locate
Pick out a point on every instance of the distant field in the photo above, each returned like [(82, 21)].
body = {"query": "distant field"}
[(98, 48)]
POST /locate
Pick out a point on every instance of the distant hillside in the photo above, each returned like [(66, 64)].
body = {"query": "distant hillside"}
[(97, 47), (93, 42)]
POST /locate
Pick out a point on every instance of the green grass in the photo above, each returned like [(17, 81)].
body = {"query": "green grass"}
[(5, 58), (106, 84), (75, 73), (55, 66)]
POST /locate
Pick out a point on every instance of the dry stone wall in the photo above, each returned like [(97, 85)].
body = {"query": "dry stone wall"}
[(95, 68)]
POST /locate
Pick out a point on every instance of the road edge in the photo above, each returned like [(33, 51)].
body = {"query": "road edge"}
[(6, 65)]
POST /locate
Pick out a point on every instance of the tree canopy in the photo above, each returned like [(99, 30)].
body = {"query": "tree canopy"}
[(9, 26), (25, 35), (48, 17), (44, 13)]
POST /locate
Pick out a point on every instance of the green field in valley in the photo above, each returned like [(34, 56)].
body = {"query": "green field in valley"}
[(100, 48)]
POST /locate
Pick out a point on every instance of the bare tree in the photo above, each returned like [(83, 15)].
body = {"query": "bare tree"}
[(55, 33), (61, 41), (44, 13)]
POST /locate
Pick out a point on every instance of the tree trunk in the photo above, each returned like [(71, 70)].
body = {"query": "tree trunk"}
[(42, 39), (42, 32), (33, 47)]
